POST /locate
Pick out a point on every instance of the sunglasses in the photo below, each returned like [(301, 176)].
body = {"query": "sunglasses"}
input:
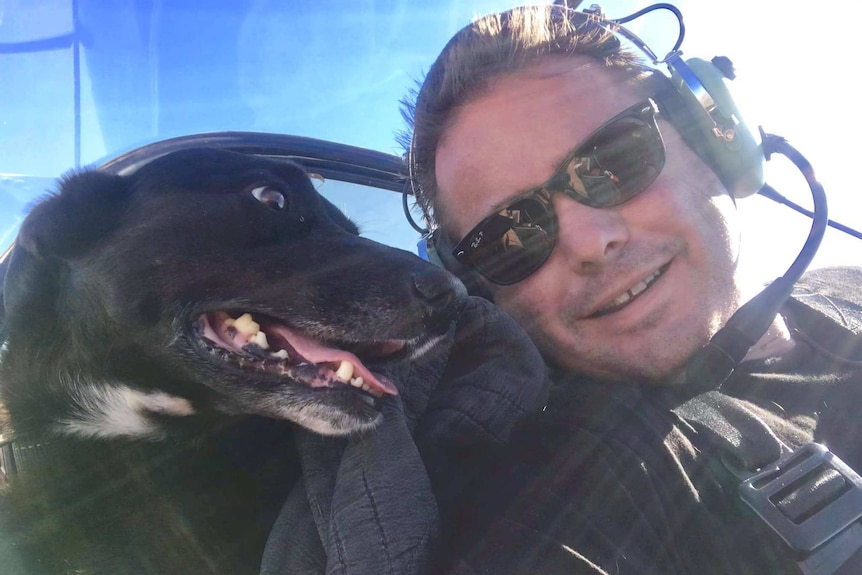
[(614, 164)]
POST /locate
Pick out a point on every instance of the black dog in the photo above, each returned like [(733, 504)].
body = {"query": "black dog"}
[(165, 332)]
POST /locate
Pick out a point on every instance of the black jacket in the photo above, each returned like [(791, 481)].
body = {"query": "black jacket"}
[(603, 479), (370, 504), (611, 479)]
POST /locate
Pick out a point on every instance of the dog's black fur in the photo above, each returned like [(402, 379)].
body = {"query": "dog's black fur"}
[(162, 452)]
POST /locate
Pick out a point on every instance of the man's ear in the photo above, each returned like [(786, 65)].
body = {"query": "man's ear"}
[(86, 208)]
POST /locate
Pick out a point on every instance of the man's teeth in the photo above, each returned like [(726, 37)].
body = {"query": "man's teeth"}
[(635, 290)]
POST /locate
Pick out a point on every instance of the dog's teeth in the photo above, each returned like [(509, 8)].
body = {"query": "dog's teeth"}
[(345, 371), (365, 387), (245, 325), (260, 339), (356, 382), (280, 354)]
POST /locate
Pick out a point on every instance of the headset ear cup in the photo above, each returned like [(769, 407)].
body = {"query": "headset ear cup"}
[(440, 253), (723, 140)]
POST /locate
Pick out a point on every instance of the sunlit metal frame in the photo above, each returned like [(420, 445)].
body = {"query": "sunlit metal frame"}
[(329, 159)]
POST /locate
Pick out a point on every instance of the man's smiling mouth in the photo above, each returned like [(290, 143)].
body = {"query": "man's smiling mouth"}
[(631, 294)]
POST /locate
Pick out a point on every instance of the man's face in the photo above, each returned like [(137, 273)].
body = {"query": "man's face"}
[(674, 236)]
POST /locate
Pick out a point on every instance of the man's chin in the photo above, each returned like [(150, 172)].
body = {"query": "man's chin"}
[(637, 369)]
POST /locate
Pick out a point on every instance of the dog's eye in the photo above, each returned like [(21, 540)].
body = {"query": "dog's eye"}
[(270, 197)]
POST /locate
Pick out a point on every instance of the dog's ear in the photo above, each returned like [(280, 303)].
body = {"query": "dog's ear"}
[(63, 225), (85, 209)]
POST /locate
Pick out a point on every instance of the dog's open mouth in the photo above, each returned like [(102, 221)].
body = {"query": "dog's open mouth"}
[(263, 344)]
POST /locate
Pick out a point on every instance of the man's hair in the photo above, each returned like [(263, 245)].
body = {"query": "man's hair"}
[(490, 47)]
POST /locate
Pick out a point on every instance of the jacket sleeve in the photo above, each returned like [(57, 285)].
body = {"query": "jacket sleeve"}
[(373, 498)]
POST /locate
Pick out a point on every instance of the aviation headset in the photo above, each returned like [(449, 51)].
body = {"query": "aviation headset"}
[(699, 105)]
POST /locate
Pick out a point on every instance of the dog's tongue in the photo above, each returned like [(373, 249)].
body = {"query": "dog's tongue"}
[(315, 352)]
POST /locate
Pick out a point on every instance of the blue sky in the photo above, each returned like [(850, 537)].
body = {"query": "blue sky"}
[(336, 70)]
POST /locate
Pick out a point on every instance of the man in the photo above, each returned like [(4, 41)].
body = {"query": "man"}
[(537, 116)]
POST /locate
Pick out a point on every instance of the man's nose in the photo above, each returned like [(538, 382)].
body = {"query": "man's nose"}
[(588, 238)]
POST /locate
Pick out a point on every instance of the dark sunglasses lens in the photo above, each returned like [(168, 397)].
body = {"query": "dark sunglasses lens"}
[(618, 163), (612, 166), (514, 242)]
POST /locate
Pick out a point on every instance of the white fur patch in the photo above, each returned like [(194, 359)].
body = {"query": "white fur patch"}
[(104, 411)]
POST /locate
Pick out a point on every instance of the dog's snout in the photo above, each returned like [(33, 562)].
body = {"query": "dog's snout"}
[(436, 288), (442, 293)]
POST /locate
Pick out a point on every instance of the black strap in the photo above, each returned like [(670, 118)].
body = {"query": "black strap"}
[(809, 497), (737, 432), (20, 457)]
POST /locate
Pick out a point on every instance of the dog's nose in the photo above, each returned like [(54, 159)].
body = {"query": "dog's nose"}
[(442, 293)]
